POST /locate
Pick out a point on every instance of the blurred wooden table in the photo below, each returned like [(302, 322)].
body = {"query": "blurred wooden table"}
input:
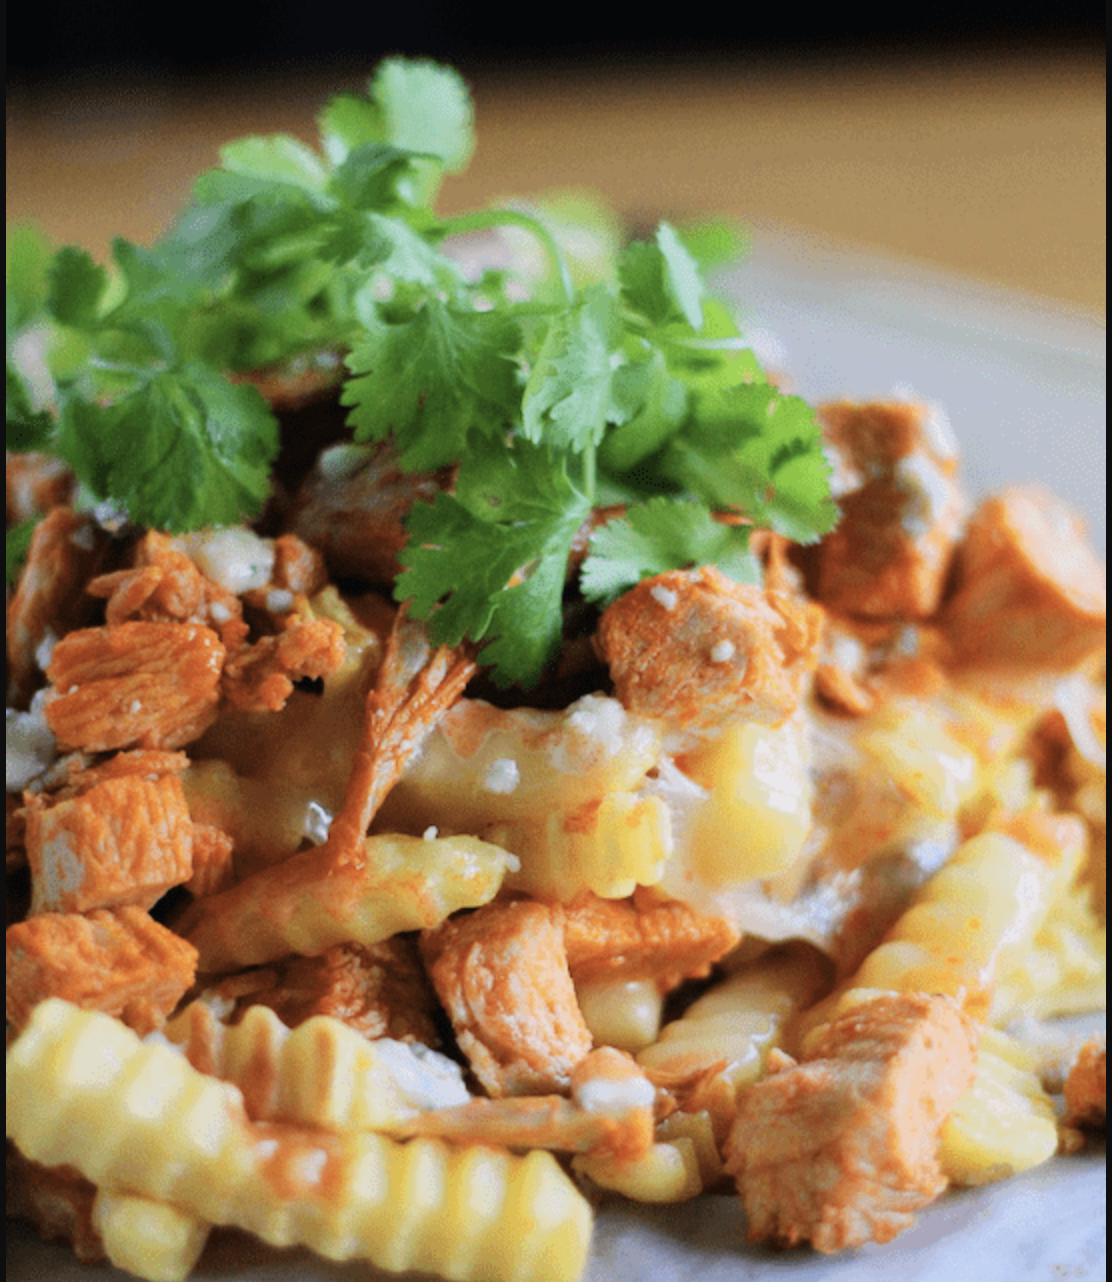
[(994, 170)]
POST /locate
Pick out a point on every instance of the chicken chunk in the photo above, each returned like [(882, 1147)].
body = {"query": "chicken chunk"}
[(49, 601), (352, 506), (35, 483), (842, 1149), (151, 685), (1086, 1088), (643, 938), (1030, 589), (119, 961), (125, 841), (164, 585), (260, 677), (610, 1114), (502, 976), (213, 861), (902, 511), (699, 651), (380, 991)]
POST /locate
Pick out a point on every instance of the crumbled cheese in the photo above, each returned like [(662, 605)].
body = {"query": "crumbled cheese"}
[(342, 462), (62, 870), (29, 745), (598, 717), (926, 490), (316, 824), (234, 557), (222, 1007), (135, 707), (431, 833), (220, 612), (665, 596), (424, 1078), (279, 601), (502, 776), (312, 1163), (615, 1095), (722, 651), (45, 649), (82, 538), (848, 653)]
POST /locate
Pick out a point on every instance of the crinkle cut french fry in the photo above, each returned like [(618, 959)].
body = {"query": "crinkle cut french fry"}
[(321, 1073), (729, 1031), (308, 903), (668, 1172), (1003, 1124), (152, 1240), (968, 925), (136, 1117)]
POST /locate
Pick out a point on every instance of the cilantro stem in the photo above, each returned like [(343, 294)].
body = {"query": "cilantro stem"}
[(484, 219)]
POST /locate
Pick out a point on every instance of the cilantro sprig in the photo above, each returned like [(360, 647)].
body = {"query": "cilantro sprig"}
[(608, 376)]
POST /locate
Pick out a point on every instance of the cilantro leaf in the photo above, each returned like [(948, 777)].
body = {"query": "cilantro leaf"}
[(490, 562), (27, 428), (432, 377), (373, 176), (659, 406), (27, 255), (276, 158), (77, 285), (713, 242), (759, 452), (658, 535), (403, 254), (661, 281), (349, 121), (184, 450), (425, 107), (570, 395)]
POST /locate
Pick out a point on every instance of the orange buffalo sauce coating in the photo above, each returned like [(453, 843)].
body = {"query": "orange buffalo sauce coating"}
[(1030, 591), (842, 1149), (643, 938), (502, 976), (888, 556), (119, 961), (697, 650), (49, 600), (1086, 1088), (147, 685), (124, 841)]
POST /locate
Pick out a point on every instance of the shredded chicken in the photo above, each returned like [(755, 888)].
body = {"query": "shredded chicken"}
[(126, 840), (611, 1113), (352, 506)]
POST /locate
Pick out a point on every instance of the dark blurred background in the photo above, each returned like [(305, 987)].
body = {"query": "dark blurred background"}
[(47, 37), (963, 136)]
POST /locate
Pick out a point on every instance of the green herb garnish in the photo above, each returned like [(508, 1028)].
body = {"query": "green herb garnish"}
[(626, 383)]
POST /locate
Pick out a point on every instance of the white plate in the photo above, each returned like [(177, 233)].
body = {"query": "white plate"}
[(1023, 383)]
